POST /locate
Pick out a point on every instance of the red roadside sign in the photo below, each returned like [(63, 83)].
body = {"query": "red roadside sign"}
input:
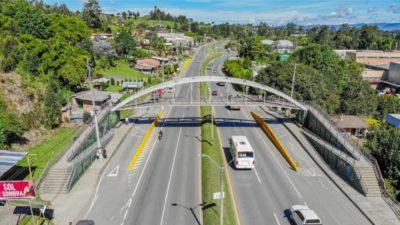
[(21, 189)]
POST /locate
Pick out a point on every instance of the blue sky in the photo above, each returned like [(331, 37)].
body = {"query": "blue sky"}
[(274, 12)]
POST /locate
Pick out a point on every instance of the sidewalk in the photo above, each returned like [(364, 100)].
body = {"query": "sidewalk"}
[(70, 206), (374, 208)]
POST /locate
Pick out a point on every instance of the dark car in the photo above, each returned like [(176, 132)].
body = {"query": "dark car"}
[(85, 222), (215, 93), (221, 83)]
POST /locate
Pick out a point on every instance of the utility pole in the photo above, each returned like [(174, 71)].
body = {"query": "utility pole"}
[(293, 79), (96, 124), (212, 125)]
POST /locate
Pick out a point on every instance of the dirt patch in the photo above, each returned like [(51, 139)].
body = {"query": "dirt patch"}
[(15, 94)]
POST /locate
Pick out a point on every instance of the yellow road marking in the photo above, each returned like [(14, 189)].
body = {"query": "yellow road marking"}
[(237, 218), (145, 138)]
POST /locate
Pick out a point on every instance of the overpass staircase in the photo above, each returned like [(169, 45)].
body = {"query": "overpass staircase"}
[(56, 181), (364, 171), (369, 180)]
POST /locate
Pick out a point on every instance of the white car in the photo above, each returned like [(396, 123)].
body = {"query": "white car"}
[(302, 215)]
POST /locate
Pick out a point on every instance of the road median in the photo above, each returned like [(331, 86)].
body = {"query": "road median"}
[(211, 147)]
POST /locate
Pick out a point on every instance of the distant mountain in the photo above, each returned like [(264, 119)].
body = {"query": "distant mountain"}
[(382, 26)]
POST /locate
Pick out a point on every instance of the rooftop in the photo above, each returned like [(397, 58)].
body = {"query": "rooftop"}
[(396, 116), (98, 96), (132, 85), (349, 122), (147, 62), (8, 159)]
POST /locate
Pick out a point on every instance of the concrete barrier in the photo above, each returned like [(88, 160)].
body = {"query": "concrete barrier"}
[(144, 141), (275, 140)]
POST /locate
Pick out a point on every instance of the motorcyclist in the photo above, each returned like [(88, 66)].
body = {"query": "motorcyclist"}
[(160, 135)]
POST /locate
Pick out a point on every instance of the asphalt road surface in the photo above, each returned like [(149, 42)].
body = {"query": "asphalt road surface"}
[(165, 183), (165, 186), (265, 193)]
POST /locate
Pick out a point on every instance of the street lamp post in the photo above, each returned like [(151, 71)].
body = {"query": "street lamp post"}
[(221, 199), (96, 122)]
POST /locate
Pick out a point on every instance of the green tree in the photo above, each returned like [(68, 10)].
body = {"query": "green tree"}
[(369, 37), (52, 106), (28, 18), (384, 143), (70, 29), (358, 98), (2, 136), (253, 48), (388, 104), (124, 43), (91, 14)]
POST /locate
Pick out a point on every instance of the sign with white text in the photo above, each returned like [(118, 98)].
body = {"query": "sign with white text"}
[(20, 189)]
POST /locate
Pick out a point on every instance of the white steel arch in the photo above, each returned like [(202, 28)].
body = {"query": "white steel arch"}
[(199, 79)]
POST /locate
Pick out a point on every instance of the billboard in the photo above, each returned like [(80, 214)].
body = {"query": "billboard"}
[(18, 189)]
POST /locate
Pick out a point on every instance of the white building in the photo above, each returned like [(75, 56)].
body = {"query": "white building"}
[(283, 46), (177, 39)]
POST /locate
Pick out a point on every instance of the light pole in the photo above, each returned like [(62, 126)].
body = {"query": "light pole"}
[(96, 124), (221, 199)]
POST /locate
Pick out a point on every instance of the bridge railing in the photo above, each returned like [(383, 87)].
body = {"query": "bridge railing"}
[(389, 199), (327, 121)]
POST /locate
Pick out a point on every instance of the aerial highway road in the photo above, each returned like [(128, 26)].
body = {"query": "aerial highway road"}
[(165, 182), (266, 192)]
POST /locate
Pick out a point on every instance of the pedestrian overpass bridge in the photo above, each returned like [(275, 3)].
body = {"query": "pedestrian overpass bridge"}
[(280, 99)]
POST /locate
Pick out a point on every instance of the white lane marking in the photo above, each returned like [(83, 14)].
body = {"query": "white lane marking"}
[(277, 162), (276, 218), (97, 190), (144, 168), (129, 202), (114, 172), (258, 177), (145, 165), (170, 175), (126, 213)]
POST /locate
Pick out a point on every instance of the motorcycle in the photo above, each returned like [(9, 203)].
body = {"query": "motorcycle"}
[(160, 135)]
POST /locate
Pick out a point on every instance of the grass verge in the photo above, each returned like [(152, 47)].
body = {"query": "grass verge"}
[(122, 70), (213, 55), (42, 153), (211, 174), (27, 220)]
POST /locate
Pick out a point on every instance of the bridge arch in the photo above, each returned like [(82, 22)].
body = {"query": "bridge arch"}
[(199, 79)]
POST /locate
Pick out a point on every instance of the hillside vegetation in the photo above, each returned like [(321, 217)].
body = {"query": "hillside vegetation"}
[(47, 47)]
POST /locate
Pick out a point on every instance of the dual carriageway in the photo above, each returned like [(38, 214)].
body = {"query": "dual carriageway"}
[(165, 185)]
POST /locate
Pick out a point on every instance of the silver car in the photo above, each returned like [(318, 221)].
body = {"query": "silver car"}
[(302, 215)]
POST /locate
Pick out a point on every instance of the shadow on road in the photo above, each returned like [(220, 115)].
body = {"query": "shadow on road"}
[(191, 209)]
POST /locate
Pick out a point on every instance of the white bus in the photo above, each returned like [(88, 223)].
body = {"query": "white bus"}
[(242, 152)]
